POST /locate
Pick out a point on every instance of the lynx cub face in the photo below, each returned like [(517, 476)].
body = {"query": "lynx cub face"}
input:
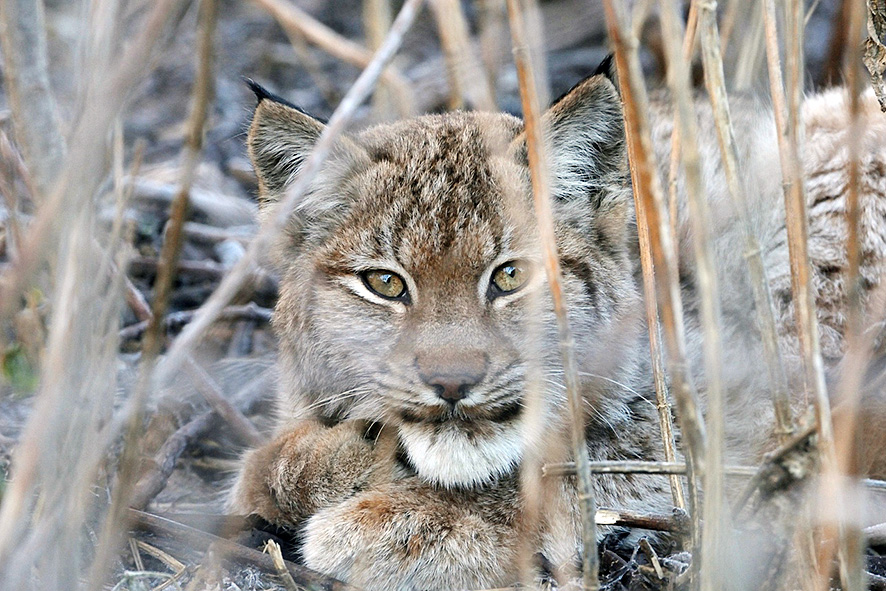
[(412, 288)]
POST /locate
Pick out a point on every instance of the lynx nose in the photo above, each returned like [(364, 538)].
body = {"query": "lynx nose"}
[(452, 377), (452, 388)]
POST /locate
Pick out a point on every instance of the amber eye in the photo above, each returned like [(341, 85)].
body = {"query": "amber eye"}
[(384, 283), (509, 277)]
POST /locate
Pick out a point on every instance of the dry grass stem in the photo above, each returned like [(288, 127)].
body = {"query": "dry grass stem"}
[(466, 78), (840, 479), (70, 321), (377, 17), (649, 201), (169, 255), (541, 194), (294, 19), (26, 83), (243, 270), (716, 87)]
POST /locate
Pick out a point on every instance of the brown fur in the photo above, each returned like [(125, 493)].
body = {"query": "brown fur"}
[(442, 201)]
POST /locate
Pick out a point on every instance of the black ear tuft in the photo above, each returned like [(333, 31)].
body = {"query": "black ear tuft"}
[(607, 68), (262, 93)]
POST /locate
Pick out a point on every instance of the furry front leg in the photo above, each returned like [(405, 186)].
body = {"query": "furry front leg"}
[(407, 535), (308, 468)]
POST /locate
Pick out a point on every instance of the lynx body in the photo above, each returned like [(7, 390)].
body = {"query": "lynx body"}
[(419, 361)]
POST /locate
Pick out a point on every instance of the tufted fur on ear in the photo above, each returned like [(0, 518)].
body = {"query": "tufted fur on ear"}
[(280, 139), (585, 133)]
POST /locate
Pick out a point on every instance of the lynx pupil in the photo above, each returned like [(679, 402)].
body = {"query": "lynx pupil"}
[(385, 283), (509, 277)]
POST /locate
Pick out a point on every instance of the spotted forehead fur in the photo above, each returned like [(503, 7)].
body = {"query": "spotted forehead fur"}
[(417, 201)]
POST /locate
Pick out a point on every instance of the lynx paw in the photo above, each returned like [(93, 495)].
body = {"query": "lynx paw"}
[(307, 469), (406, 535)]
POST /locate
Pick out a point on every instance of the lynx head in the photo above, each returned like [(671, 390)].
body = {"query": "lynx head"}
[(412, 288)]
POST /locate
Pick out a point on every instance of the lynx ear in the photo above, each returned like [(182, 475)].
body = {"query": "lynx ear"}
[(585, 133), (280, 138)]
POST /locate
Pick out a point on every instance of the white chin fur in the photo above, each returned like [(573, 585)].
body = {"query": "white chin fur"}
[(450, 458)]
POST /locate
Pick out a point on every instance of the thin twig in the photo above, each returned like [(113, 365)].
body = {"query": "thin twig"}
[(541, 194), (677, 522), (153, 482), (231, 284), (636, 467)]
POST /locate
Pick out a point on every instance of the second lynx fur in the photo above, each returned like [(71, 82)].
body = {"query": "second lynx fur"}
[(418, 348)]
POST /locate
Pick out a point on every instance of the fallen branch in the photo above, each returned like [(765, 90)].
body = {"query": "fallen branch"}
[(250, 311), (678, 522), (153, 482)]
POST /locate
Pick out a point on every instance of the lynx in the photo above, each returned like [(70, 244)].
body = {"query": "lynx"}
[(419, 358)]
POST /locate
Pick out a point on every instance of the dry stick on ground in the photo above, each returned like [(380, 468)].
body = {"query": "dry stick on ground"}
[(153, 482), (249, 311), (636, 467), (716, 86), (243, 429), (169, 255), (466, 78), (239, 274), (233, 552), (541, 196), (649, 202), (26, 80), (293, 18), (80, 181)]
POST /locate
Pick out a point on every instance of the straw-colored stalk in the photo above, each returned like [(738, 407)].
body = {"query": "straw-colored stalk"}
[(26, 82), (649, 201), (674, 167), (377, 17), (840, 480), (462, 65), (243, 270), (166, 271), (788, 122), (716, 87), (88, 135), (708, 290), (81, 177), (297, 21), (541, 196)]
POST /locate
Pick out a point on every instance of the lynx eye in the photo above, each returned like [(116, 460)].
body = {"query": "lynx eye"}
[(384, 283), (509, 277)]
